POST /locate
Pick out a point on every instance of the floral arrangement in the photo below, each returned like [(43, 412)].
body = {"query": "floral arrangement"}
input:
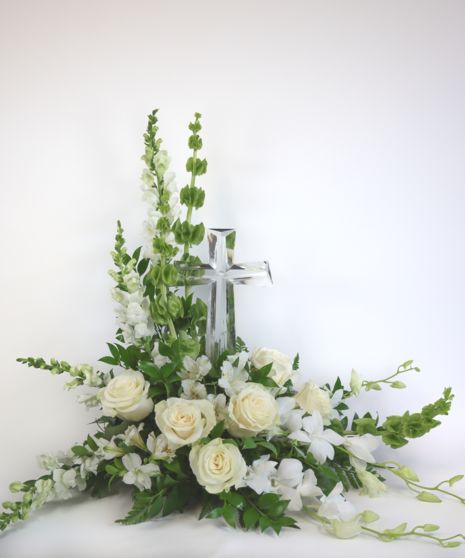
[(241, 436)]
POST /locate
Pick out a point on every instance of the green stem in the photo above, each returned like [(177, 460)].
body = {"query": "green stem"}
[(164, 298), (189, 209), (386, 380), (412, 485), (414, 532)]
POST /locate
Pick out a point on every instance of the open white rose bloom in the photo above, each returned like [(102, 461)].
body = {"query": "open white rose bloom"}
[(243, 435)]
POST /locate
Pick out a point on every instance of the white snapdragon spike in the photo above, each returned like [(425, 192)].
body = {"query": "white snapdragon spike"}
[(48, 462), (161, 161), (88, 465), (193, 390), (160, 447), (195, 369), (66, 459), (234, 377), (86, 375), (43, 493), (260, 474), (138, 474), (133, 309), (158, 359), (295, 485), (319, 440), (361, 447), (65, 481)]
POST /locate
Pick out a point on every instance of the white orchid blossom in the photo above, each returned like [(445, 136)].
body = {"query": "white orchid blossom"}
[(361, 447), (319, 439)]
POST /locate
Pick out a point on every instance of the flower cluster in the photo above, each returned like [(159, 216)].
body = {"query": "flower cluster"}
[(244, 435)]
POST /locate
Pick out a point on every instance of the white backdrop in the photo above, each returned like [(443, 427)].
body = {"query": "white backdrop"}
[(334, 132)]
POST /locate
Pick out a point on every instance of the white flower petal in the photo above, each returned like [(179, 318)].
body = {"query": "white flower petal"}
[(290, 472)]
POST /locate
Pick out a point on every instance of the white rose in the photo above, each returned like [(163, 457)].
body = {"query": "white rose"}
[(126, 396), (184, 421), (312, 398), (217, 466), (252, 410), (281, 370)]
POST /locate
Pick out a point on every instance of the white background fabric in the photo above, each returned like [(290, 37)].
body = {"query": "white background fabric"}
[(334, 133)]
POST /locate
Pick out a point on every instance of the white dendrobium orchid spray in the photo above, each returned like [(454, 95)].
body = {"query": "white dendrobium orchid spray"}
[(295, 485), (320, 440), (185, 424), (288, 479), (361, 447), (290, 417), (137, 474), (343, 520), (65, 481)]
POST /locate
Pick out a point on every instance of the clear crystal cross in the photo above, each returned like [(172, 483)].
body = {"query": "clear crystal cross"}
[(221, 273)]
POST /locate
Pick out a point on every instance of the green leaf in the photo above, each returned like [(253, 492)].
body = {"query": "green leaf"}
[(217, 430), (249, 443), (230, 515), (269, 446), (110, 360), (176, 499), (145, 507), (296, 362), (233, 498), (91, 443), (114, 351), (149, 369), (81, 451), (268, 501), (250, 518), (210, 504)]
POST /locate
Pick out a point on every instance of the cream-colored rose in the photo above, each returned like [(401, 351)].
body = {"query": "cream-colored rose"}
[(185, 421), (126, 396), (217, 466), (281, 370), (312, 398), (252, 410)]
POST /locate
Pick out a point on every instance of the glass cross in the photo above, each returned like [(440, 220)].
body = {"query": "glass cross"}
[(221, 273)]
